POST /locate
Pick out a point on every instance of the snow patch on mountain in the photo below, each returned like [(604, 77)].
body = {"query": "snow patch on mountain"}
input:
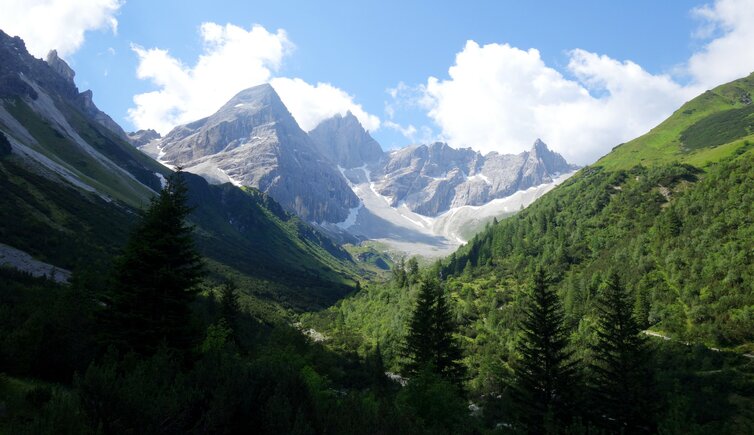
[(163, 181), (412, 233), (351, 219)]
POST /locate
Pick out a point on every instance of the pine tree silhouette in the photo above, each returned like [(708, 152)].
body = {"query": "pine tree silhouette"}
[(545, 373), (230, 307), (430, 344), (622, 377), (154, 279)]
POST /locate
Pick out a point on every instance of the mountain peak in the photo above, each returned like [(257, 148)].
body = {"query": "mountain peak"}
[(553, 162), (344, 141), (260, 95), (540, 147), (142, 137), (254, 141), (231, 125)]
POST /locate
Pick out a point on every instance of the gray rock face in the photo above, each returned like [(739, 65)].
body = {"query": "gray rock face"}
[(87, 103), (142, 137), (85, 99), (60, 66), (254, 141), (344, 141), (431, 179)]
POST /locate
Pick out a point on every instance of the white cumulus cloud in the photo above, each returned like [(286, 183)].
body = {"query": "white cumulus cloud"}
[(233, 59), (500, 98), (56, 24), (311, 104), (730, 55)]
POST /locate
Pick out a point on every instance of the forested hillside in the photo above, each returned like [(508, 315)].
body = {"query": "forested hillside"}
[(244, 234), (679, 237)]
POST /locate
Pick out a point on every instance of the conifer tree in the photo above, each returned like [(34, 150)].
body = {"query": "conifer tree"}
[(642, 307), (399, 272), (376, 367), (622, 379), (447, 352), (154, 279), (412, 270), (545, 373), (418, 348), (429, 343), (230, 307)]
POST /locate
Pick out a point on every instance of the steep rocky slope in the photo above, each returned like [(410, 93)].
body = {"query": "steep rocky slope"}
[(344, 142), (431, 179), (254, 141)]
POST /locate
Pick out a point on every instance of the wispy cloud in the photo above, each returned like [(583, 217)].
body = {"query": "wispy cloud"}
[(729, 55)]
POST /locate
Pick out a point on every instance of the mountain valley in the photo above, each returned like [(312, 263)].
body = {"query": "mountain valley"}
[(242, 274)]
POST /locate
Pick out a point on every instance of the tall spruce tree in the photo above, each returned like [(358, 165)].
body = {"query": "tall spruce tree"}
[(230, 307), (376, 369), (418, 348), (399, 273), (621, 374), (154, 280), (429, 343), (545, 372), (412, 270), (448, 353)]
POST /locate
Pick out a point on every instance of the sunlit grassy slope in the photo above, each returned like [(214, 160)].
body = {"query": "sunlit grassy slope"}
[(706, 129)]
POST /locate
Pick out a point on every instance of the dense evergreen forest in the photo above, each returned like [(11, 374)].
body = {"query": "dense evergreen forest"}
[(675, 239)]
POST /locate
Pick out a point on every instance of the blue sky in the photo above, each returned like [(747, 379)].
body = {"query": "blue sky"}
[(631, 57)]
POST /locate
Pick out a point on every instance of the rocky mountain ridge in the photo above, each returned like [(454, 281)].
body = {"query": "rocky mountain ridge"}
[(142, 137), (254, 141), (343, 140), (431, 179), (339, 177)]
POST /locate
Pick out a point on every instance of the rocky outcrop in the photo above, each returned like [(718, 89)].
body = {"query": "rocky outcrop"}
[(17, 64), (96, 156), (18, 259), (344, 141), (87, 104), (142, 137), (18, 68), (430, 179), (254, 141), (60, 66)]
